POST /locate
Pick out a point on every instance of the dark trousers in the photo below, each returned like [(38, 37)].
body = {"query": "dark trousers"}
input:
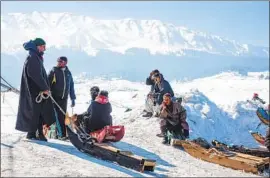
[(39, 128), (166, 126), (60, 116)]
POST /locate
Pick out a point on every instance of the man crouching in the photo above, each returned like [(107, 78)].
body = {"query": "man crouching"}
[(173, 121)]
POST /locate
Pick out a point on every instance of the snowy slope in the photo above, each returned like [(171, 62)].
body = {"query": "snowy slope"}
[(66, 30), (217, 104)]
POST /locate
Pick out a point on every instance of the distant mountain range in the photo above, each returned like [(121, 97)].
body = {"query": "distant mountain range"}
[(89, 35)]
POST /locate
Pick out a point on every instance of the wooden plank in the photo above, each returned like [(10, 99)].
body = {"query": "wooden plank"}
[(234, 162)]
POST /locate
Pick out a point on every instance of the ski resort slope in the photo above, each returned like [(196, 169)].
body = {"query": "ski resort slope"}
[(216, 108)]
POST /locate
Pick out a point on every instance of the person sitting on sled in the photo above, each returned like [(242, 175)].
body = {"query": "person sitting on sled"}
[(98, 114), (94, 93), (173, 116), (98, 122), (161, 87)]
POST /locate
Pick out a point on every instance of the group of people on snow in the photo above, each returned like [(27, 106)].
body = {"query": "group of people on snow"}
[(43, 100), (43, 97), (160, 102)]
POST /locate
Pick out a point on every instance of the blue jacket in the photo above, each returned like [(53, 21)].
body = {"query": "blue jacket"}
[(61, 83), (161, 89)]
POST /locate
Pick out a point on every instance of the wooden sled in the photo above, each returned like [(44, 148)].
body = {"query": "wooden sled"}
[(258, 137), (107, 152), (264, 119), (260, 152), (237, 161)]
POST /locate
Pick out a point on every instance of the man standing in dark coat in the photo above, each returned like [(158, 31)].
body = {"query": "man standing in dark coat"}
[(32, 115), (62, 85)]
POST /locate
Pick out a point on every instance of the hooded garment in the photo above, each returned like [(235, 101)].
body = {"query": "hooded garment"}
[(99, 114), (33, 81)]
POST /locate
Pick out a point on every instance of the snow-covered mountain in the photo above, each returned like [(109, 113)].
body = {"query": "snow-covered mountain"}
[(66, 30)]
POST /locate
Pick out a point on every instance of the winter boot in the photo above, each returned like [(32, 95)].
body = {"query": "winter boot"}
[(41, 136), (148, 114), (165, 140), (186, 133), (31, 135), (63, 138), (160, 135)]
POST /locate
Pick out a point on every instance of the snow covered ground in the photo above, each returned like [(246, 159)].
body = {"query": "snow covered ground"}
[(216, 108)]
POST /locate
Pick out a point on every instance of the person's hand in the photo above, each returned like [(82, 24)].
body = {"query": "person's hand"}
[(72, 103), (151, 73), (74, 117), (150, 95), (46, 92), (164, 105)]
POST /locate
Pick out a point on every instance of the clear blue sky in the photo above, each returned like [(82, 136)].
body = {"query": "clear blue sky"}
[(245, 22)]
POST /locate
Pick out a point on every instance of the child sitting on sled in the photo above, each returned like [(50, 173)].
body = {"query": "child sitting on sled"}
[(98, 120)]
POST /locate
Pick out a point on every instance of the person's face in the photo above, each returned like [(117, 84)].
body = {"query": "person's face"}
[(157, 79), (41, 48), (61, 63), (166, 100)]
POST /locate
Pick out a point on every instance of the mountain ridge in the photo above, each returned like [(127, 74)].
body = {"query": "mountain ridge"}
[(80, 32)]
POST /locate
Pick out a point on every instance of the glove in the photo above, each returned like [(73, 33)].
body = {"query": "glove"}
[(72, 103)]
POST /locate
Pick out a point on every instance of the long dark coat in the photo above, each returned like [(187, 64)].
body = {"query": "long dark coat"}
[(34, 80)]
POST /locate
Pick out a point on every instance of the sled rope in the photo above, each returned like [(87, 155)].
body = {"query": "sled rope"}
[(41, 96)]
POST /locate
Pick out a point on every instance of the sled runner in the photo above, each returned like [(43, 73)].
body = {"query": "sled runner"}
[(237, 161), (85, 143), (258, 137), (260, 152)]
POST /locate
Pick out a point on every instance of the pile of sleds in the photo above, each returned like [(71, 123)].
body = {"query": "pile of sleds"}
[(253, 160), (239, 158)]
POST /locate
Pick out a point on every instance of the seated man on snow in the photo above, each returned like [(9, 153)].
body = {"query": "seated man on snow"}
[(97, 120), (173, 116), (154, 102), (150, 80)]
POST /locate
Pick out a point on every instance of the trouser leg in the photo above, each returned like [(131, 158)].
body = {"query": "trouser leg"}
[(60, 115)]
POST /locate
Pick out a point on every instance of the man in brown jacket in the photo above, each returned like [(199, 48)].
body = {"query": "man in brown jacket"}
[(173, 116)]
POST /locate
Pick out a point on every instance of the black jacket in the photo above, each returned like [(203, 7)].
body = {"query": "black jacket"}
[(161, 89), (34, 80), (99, 115), (61, 83)]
